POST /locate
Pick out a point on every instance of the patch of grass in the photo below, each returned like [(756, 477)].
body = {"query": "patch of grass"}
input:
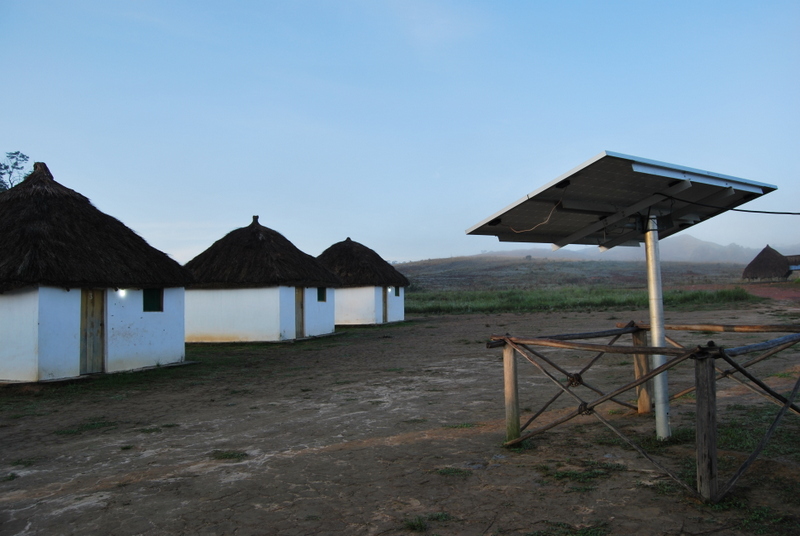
[(23, 462), (617, 411), (662, 487), (397, 369), (10, 476), (742, 429), (440, 516), (413, 421), (453, 471), (229, 455), (126, 447), (764, 520), (565, 529), (564, 298), (461, 425), (170, 425), (580, 489), (86, 427), (526, 444), (592, 470), (416, 524)]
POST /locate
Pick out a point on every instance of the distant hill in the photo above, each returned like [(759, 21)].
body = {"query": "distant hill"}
[(686, 261), (678, 248)]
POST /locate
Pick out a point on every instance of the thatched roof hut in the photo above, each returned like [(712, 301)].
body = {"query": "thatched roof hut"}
[(356, 265), (53, 236), (256, 256), (768, 264)]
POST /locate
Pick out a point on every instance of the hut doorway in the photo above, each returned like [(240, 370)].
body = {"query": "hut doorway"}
[(385, 304), (92, 330), (299, 313)]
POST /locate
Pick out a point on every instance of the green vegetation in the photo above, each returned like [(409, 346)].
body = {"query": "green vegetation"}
[(461, 425), (568, 298), (453, 471), (229, 455), (742, 428), (416, 524), (592, 470), (565, 529), (86, 427)]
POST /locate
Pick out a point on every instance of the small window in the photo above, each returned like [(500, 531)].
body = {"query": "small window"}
[(153, 300), (397, 291), (322, 294)]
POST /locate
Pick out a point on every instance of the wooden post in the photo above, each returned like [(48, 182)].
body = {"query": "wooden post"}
[(512, 403), (706, 432), (641, 367)]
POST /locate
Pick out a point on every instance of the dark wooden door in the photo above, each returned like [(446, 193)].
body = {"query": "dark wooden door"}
[(299, 313), (385, 304), (92, 330)]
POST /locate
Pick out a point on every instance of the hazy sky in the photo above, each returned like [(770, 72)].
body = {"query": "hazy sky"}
[(397, 123)]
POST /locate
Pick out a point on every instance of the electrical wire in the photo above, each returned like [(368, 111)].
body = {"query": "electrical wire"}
[(548, 216)]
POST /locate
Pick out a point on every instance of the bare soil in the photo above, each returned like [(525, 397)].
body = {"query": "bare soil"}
[(366, 432)]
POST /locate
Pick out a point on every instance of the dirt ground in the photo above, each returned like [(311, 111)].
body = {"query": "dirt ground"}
[(366, 432)]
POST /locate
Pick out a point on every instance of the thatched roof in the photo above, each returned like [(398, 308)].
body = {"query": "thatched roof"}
[(768, 264), (358, 266), (53, 236), (256, 256)]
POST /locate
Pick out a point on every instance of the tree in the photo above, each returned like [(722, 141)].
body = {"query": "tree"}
[(12, 170)]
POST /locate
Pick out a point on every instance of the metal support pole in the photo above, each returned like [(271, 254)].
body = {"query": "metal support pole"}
[(657, 338), (511, 389)]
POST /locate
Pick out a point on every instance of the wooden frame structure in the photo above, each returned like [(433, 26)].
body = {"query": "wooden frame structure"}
[(706, 375)]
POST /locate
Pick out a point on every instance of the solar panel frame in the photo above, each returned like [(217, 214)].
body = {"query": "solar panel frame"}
[(603, 202)]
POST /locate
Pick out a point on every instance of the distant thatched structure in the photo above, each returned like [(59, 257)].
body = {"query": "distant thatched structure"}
[(256, 256), (53, 236), (769, 264), (357, 265)]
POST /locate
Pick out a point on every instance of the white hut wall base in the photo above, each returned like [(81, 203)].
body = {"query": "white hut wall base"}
[(239, 315), (40, 331), (138, 339), (359, 305), (364, 305), (59, 333), (19, 332), (320, 314), (396, 306)]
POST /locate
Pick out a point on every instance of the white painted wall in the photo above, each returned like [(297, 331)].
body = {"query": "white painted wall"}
[(319, 316), (137, 339), (396, 310), (40, 332), (59, 333), (364, 305), (359, 305), (19, 335), (286, 313), (229, 315)]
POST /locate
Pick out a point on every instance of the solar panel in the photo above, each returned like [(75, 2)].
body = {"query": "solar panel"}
[(607, 200)]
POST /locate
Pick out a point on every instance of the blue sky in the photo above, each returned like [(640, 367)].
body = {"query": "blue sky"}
[(400, 123)]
